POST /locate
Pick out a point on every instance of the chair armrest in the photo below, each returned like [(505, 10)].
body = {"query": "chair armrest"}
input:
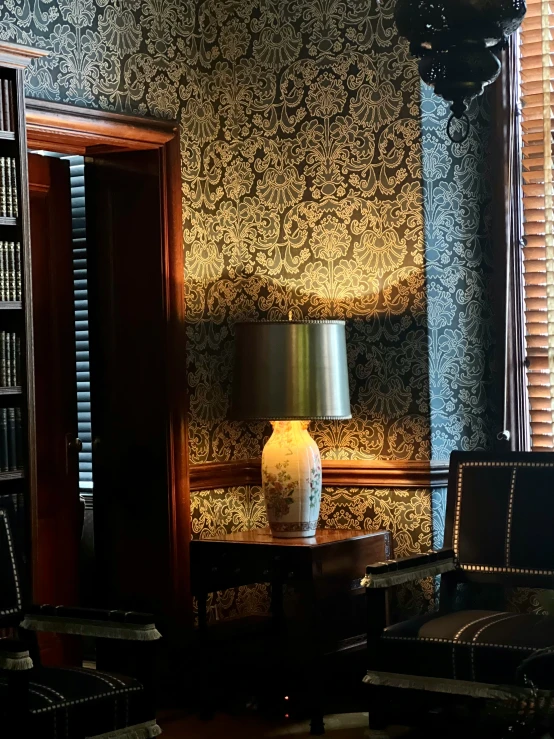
[(128, 625), (405, 569), (14, 655)]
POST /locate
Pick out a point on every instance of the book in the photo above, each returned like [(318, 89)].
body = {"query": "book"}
[(7, 105), (3, 125), (12, 340), (15, 194), (8, 353), (18, 286), (12, 444), (3, 439), (2, 273), (19, 450), (9, 186), (11, 271), (3, 189), (3, 359), (17, 360)]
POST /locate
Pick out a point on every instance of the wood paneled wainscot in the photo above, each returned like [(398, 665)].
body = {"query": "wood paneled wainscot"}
[(351, 473)]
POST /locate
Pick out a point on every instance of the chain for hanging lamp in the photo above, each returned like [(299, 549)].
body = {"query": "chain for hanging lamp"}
[(457, 42)]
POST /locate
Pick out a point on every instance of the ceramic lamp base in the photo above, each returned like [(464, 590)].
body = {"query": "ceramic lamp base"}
[(291, 480)]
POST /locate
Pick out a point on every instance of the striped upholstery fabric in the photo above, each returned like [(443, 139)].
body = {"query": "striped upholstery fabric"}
[(479, 646), (73, 702)]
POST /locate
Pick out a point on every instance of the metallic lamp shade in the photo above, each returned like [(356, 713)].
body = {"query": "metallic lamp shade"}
[(290, 370)]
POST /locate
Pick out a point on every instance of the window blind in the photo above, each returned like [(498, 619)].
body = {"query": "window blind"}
[(79, 237), (537, 99)]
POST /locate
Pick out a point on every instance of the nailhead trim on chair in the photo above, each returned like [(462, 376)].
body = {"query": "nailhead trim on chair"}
[(514, 570), (460, 643), (19, 605), (509, 517), (37, 687), (458, 509), (68, 704)]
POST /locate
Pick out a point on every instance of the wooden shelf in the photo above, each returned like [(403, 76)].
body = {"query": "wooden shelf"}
[(11, 305), (10, 390), (5, 221), (7, 136), (12, 475)]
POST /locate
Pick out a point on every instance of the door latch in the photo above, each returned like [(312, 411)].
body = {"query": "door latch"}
[(73, 445)]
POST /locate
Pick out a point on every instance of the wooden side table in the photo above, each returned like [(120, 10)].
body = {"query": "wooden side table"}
[(325, 570)]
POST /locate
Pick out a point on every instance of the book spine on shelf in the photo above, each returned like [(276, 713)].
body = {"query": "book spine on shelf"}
[(8, 350), (7, 105), (18, 440), (13, 354), (18, 360), (13, 104), (3, 374), (9, 200), (15, 193), (11, 271), (18, 285), (2, 271), (3, 189), (3, 124), (3, 439), (12, 460)]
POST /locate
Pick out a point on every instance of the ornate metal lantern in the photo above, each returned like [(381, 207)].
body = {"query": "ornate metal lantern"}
[(456, 41)]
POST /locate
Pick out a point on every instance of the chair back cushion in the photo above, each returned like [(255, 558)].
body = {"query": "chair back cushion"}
[(500, 512), (11, 585)]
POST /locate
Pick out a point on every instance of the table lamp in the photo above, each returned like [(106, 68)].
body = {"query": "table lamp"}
[(289, 373)]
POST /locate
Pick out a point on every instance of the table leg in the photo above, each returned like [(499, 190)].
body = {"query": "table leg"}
[(207, 710), (202, 600), (316, 666)]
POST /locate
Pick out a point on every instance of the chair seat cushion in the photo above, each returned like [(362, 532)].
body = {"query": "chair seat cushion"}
[(481, 646), (67, 702)]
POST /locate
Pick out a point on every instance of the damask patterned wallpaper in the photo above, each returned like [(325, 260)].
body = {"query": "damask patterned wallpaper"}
[(317, 179), (456, 207)]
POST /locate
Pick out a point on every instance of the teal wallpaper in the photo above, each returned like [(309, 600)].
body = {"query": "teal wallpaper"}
[(456, 207)]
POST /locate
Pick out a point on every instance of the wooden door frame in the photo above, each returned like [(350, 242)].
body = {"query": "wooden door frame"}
[(71, 130)]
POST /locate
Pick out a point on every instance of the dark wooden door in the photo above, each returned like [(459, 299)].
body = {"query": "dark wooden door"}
[(128, 387), (59, 519)]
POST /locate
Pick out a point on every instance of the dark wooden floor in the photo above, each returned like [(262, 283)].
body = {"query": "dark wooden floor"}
[(345, 726)]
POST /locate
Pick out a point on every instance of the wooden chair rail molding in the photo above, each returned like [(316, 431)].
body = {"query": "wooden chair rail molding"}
[(348, 473)]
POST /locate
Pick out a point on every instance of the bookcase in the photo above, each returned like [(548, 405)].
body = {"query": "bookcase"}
[(17, 425)]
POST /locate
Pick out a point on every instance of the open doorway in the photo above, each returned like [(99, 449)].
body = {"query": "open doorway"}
[(134, 473), (65, 531)]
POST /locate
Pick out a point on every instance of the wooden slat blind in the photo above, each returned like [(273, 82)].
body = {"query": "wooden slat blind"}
[(537, 98)]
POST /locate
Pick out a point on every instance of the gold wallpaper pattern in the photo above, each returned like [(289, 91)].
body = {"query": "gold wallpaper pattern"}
[(302, 194), (404, 512)]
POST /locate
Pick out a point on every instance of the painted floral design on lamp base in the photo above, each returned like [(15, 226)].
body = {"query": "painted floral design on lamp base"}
[(291, 479)]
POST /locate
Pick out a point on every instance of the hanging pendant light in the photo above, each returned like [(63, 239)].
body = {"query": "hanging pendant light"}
[(457, 43)]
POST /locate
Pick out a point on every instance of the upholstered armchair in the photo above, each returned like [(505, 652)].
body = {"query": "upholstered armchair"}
[(73, 703), (499, 534)]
